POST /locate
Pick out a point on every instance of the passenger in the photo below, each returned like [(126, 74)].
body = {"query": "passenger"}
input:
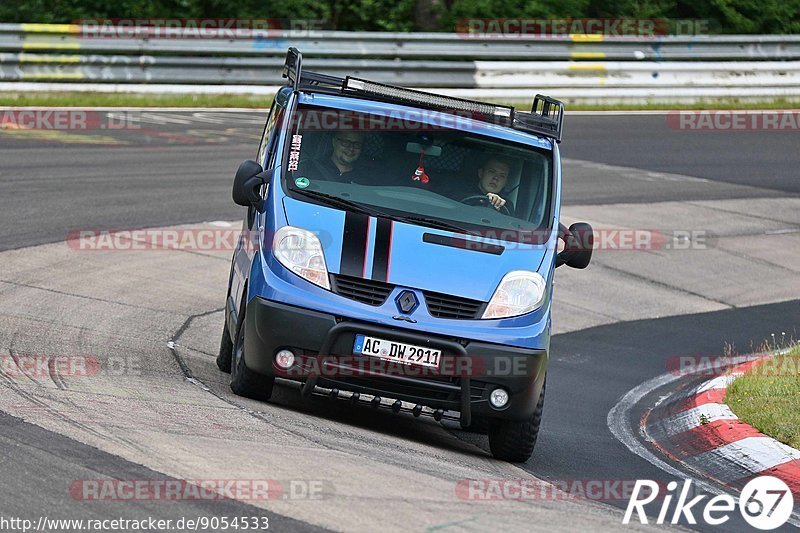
[(345, 164)]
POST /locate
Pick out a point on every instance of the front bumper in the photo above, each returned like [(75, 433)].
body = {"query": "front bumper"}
[(469, 371)]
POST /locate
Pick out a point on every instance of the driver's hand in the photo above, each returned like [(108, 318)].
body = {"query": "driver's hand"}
[(496, 201)]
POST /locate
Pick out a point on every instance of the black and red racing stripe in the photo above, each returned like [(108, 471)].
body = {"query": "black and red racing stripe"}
[(383, 249), (354, 244)]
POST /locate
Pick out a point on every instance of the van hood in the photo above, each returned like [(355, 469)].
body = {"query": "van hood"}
[(409, 255)]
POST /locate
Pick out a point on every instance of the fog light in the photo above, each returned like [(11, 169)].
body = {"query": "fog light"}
[(498, 398), (284, 359)]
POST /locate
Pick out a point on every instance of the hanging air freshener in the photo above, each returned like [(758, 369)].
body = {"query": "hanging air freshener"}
[(419, 174)]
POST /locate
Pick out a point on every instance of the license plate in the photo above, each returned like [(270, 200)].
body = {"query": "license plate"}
[(396, 351)]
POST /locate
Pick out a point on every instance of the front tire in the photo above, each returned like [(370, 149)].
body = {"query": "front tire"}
[(225, 349), (514, 441), (245, 382)]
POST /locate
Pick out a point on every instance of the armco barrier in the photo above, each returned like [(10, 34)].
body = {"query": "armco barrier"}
[(445, 46), (571, 66), (456, 74)]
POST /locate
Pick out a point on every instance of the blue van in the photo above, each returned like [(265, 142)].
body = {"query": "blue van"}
[(399, 251)]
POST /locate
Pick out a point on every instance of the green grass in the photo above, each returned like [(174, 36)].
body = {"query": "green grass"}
[(768, 397), (81, 99)]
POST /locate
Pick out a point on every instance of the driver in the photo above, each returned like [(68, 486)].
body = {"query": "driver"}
[(492, 178)]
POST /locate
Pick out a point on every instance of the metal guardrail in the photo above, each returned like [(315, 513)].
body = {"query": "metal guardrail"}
[(223, 70), (455, 74), (575, 64), (67, 37)]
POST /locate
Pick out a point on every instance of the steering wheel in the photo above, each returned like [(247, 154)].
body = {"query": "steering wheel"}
[(483, 200)]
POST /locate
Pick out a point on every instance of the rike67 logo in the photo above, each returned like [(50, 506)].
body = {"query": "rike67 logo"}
[(766, 503)]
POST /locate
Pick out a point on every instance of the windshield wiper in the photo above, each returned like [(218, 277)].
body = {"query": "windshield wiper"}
[(435, 223), (337, 201)]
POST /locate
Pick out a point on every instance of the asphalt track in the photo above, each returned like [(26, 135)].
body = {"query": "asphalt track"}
[(764, 159), (617, 328)]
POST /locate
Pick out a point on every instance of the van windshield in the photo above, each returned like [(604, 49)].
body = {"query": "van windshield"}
[(434, 175)]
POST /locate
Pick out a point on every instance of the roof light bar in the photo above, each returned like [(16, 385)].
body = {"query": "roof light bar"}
[(545, 118), (480, 110)]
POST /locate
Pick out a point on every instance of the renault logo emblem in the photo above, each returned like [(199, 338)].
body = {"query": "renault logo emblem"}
[(406, 302)]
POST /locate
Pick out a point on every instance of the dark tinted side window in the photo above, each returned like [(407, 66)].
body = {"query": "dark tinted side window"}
[(268, 138)]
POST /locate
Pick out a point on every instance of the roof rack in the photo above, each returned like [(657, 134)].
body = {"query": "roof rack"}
[(293, 70), (545, 118)]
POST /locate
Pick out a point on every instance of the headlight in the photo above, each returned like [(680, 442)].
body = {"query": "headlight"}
[(519, 292), (300, 251)]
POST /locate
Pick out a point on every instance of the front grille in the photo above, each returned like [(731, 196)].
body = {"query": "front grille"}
[(362, 290), (419, 390), (446, 306)]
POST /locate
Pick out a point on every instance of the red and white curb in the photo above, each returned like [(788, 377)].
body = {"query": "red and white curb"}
[(698, 430)]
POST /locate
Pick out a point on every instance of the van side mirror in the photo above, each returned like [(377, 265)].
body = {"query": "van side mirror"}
[(579, 239), (246, 184)]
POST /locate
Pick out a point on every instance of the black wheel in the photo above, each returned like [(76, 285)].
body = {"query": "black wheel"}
[(225, 349), (513, 441), (245, 382)]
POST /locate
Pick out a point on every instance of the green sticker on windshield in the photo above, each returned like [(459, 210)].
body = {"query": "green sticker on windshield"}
[(302, 182)]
